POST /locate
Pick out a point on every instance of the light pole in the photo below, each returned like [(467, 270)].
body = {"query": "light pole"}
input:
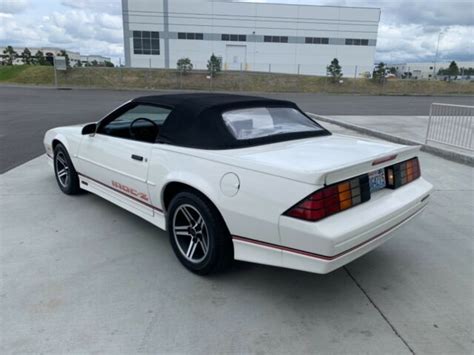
[(437, 51)]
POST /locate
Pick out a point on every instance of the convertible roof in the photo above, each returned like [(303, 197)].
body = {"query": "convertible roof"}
[(196, 119)]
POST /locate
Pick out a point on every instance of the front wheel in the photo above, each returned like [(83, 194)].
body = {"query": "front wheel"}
[(198, 234), (66, 175)]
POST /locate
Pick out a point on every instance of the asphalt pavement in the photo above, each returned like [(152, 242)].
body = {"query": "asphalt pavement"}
[(26, 113), (80, 275)]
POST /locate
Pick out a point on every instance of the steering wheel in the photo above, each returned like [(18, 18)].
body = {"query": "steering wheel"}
[(144, 133)]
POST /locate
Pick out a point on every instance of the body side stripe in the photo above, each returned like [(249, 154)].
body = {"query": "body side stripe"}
[(121, 192), (319, 256)]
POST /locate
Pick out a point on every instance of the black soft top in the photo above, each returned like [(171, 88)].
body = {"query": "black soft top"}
[(196, 120)]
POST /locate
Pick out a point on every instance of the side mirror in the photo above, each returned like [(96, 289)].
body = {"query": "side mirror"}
[(89, 129)]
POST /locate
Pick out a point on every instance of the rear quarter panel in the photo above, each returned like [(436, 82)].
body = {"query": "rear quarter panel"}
[(253, 212)]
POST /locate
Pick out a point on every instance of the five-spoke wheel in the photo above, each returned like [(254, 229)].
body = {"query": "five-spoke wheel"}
[(198, 233), (66, 175), (190, 233), (62, 169)]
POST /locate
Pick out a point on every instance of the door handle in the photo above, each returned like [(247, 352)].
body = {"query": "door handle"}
[(137, 157)]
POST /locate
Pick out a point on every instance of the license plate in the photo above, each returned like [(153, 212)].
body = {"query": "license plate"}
[(377, 180)]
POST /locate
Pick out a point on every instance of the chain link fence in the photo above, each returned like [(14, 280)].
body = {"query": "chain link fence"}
[(243, 79)]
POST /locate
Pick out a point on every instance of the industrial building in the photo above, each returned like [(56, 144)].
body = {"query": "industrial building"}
[(51, 52), (253, 36), (427, 70)]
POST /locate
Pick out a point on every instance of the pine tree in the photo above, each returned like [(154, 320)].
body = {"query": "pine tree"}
[(26, 57), (9, 55), (214, 65), (334, 70), (379, 72)]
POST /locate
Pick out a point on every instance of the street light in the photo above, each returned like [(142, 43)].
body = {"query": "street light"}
[(437, 51)]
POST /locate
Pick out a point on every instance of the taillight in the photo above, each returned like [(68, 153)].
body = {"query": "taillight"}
[(346, 194), (332, 199), (402, 173)]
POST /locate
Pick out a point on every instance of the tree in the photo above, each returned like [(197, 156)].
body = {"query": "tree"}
[(64, 54), (108, 64), (26, 57), (94, 63), (452, 70), (214, 65), (379, 72), (334, 70), (184, 65), (78, 64), (9, 55), (40, 59)]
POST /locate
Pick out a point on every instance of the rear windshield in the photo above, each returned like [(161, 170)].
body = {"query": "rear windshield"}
[(261, 122)]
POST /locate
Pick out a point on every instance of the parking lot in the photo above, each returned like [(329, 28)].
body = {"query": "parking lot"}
[(82, 275)]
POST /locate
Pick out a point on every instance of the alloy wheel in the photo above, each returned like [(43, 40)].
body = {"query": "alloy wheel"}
[(62, 169), (190, 233)]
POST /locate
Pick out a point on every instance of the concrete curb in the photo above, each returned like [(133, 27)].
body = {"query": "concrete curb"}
[(443, 153)]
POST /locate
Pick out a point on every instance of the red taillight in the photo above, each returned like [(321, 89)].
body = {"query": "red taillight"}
[(346, 194), (332, 199)]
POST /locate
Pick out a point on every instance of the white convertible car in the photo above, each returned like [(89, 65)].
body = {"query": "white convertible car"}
[(239, 177)]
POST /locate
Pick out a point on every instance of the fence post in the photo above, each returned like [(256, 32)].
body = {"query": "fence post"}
[(355, 79), (429, 124), (240, 77), (55, 78), (121, 72), (149, 74)]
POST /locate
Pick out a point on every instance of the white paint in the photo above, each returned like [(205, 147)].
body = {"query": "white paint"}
[(271, 179)]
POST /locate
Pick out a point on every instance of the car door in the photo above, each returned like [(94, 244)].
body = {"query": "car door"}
[(116, 157)]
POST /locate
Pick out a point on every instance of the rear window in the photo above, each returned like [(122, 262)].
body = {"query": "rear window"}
[(261, 122)]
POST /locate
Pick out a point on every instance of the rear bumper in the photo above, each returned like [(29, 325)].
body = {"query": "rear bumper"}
[(324, 246)]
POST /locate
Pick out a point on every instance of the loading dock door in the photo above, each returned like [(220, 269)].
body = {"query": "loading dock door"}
[(235, 57)]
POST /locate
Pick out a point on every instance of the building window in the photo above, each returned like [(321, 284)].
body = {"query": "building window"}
[(235, 38), (190, 35), (275, 39), (317, 40), (357, 42), (146, 42)]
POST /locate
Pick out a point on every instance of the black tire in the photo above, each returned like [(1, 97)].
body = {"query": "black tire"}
[(220, 252), (68, 183)]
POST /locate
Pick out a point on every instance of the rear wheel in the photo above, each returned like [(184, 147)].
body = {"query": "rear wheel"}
[(66, 175), (198, 234)]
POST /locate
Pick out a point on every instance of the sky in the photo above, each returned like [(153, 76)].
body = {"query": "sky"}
[(408, 30)]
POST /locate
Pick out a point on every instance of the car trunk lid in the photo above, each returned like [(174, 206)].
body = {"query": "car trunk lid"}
[(321, 160)]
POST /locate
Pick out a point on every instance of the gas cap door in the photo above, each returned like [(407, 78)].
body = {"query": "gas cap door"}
[(230, 184)]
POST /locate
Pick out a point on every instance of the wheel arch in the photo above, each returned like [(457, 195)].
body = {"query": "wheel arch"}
[(172, 188), (59, 138)]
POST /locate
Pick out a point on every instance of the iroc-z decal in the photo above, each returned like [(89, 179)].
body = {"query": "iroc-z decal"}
[(130, 191)]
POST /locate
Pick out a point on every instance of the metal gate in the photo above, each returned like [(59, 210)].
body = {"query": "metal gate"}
[(451, 125)]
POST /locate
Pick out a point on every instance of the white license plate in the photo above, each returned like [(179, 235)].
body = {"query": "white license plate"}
[(377, 180)]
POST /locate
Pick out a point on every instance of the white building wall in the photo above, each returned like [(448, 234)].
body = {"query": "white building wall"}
[(213, 18)]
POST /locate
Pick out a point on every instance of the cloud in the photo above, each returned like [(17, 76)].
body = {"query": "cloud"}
[(74, 29), (411, 42), (109, 7), (408, 30), (13, 6)]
